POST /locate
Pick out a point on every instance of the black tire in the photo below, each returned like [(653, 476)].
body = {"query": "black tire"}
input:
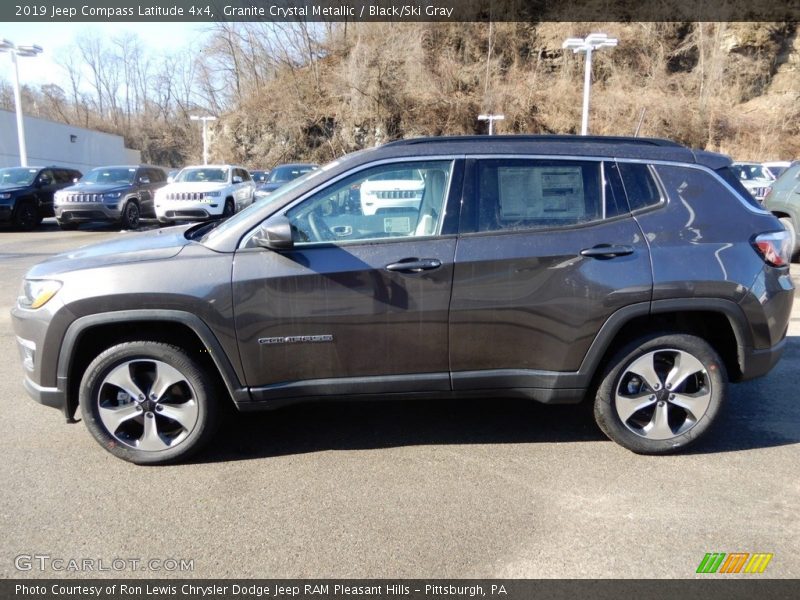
[(648, 418), (26, 215), (67, 226), (790, 228), (130, 215), (230, 208), (143, 433)]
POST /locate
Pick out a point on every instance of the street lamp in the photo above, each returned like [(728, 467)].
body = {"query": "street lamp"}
[(205, 121), (491, 119), (15, 51), (591, 42)]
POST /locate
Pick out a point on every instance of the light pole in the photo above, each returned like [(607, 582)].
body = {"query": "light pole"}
[(491, 119), (591, 42), (205, 121), (15, 51)]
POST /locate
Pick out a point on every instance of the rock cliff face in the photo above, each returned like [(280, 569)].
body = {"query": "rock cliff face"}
[(729, 87)]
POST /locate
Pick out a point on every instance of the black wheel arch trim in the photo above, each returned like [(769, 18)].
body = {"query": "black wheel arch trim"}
[(614, 324), (77, 328)]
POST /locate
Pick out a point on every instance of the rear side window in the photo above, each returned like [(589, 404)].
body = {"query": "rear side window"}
[(537, 194), (735, 182), (640, 187), (694, 185)]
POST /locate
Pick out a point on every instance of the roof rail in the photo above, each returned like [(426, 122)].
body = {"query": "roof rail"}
[(575, 139)]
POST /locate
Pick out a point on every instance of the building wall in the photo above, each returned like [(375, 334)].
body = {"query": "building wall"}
[(50, 143)]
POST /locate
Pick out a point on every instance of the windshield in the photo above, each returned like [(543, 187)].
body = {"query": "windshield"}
[(288, 172), (202, 175), (17, 176), (122, 175), (278, 198)]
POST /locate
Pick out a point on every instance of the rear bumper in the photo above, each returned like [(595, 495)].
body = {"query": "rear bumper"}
[(755, 363)]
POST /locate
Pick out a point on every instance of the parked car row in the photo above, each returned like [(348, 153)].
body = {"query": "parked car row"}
[(125, 194)]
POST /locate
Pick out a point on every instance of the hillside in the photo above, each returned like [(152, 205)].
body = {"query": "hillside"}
[(302, 92)]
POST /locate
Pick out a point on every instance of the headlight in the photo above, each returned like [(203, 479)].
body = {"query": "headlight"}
[(112, 195), (36, 293), (5, 196), (213, 194)]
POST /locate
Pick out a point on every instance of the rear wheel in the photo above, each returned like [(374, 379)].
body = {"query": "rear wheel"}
[(789, 227), (661, 393), (148, 402), (27, 216), (130, 215)]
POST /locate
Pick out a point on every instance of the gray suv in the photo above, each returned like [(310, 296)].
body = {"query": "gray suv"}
[(633, 273), (119, 194)]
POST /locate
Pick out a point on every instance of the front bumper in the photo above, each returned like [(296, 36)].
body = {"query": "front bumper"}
[(83, 212), (189, 210), (39, 334), (6, 211)]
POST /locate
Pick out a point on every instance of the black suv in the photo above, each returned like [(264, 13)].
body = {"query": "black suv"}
[(26, 193), (635, 273), (120, 194)]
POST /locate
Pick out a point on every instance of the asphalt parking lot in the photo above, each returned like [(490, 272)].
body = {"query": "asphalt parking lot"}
[(479, 488)]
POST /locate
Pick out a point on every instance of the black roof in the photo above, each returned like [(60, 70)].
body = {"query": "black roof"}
[(556, 145)]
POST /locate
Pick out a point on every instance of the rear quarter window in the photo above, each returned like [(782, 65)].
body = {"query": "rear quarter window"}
[(732, 179), (696, 185)]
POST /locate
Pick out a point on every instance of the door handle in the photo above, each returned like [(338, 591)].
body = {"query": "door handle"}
[(606, 251), (414, 265)]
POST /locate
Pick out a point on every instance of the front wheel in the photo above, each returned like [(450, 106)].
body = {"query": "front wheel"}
[(26, 217), (229, 210), (148, 402), (661, 393), (130, 215)]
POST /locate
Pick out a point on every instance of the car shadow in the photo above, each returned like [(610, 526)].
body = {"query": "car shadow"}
[(361, 425), (762, 413)]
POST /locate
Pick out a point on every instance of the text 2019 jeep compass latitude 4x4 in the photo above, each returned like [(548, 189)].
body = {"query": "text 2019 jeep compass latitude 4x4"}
[(635, 273)]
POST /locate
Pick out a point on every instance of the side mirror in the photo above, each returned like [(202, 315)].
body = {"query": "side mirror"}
[(275, 234), (237, 179)]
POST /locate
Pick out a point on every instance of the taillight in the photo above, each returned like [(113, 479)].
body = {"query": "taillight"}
[(775, 247)]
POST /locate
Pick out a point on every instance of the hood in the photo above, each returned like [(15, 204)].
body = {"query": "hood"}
[(192, 186), (97, 188), (13, 188), (270, 187), (159, 244)]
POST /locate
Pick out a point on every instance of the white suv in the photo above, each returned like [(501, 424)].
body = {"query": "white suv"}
[(392, 190), (205, 192)]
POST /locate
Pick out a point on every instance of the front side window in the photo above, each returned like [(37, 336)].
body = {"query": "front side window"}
[(387, 201), (538, 194)]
